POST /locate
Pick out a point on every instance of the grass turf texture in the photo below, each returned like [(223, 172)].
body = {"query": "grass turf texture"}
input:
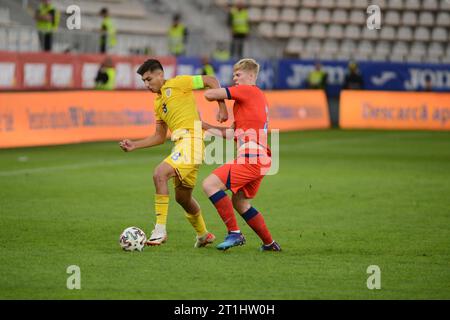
[(342, 200)]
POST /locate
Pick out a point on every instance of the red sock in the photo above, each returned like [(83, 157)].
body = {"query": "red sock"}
[(225, 209), (256, 221)]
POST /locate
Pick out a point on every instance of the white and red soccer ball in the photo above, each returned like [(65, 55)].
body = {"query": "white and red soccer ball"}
[(132, 238)]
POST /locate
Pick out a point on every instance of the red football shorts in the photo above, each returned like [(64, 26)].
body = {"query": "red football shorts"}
[(242, 176)]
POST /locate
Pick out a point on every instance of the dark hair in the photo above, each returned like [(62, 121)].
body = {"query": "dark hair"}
[(104, 10), (150, 65)]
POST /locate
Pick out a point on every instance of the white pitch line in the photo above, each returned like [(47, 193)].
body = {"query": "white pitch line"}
[(10, 173)]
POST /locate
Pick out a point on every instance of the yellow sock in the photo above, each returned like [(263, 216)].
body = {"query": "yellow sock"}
[(196, 220), (161, 208)]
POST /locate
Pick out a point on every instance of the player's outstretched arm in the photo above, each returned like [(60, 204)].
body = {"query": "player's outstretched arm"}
[(210, 82), (224, 132), (158, 138), (216, 94)]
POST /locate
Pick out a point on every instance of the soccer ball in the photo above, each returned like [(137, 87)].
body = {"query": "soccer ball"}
[(132, 238)]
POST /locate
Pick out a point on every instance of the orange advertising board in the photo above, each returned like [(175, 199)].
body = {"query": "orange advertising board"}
[(298, 110), (46, 118), (394, 110)]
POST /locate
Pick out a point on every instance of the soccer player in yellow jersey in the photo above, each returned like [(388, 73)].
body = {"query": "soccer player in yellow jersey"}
[(175, 109)]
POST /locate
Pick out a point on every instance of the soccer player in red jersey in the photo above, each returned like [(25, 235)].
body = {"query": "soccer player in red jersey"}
[(244, 174)]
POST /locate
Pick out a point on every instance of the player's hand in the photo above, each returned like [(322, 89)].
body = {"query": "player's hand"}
[(127, 145), (205, 126), (222, 115)]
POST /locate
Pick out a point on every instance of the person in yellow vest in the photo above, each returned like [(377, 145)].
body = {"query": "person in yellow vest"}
[(207, 68), (47, 22), (240, 28), (108, 32), (221, 53), (317, 79), (177, 37), (106, 76)]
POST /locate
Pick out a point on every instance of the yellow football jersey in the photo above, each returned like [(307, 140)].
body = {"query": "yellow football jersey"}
[(176, 104)]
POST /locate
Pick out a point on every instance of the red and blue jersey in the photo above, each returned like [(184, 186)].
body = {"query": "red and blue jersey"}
[(251, 119)]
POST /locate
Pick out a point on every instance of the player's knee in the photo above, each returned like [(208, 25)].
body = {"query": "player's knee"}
[(235, 204), (240, 206), (156, 177), (159, 176), (206, 185)]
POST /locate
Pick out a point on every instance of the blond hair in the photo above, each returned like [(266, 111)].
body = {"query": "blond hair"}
[(247, 64)]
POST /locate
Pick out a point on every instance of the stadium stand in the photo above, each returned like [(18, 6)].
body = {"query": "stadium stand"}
[(138, 28), (412, 30)]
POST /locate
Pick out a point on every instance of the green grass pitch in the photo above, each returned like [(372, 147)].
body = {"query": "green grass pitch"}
[(342, 201)]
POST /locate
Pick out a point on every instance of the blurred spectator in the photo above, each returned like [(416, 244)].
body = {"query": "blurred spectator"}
[(177, 37), (207, 68), (317, 79), (108, 32), (106, 75), (148, 51), (47, 21), (240, 28), (221, 53), (353, 79), (428, 84)]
